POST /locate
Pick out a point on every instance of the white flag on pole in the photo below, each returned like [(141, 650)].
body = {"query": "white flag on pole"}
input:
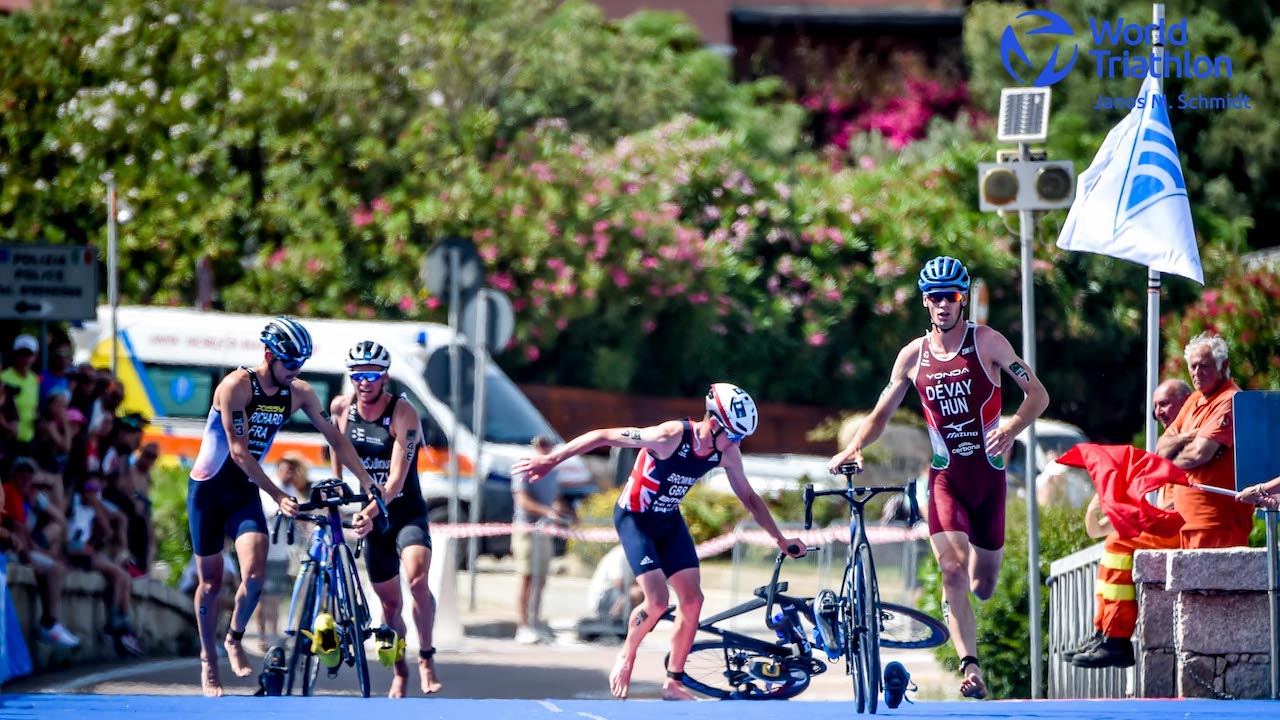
[(1132, 201)]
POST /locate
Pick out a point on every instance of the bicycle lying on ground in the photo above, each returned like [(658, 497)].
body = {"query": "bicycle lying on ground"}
[(329, 618), (742, 667)]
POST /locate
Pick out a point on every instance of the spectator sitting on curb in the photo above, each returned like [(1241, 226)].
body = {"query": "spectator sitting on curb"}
[(91, 528), (50, 572), (613, 590)]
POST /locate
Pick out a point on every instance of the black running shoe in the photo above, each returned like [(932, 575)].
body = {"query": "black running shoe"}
[(897, 681)]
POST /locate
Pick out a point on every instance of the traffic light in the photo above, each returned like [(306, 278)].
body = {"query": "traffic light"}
[(1037, 184)]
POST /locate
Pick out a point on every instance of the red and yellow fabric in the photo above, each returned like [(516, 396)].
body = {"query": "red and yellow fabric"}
[(1117, 614)]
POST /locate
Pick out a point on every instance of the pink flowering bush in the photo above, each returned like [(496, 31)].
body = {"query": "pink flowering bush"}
[(1245, 310)]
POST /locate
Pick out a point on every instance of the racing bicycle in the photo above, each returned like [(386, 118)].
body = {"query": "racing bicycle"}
[(328, 584)]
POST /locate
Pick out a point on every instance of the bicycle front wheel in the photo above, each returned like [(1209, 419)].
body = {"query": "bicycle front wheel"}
[(723, 669), (904, 627), (352, 618)]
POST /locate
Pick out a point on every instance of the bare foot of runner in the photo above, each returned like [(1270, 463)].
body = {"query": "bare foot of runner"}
[(972, 685), (620, 677), (673, 690), (238, 657), (399, 680), (209, 680), (427, 675)]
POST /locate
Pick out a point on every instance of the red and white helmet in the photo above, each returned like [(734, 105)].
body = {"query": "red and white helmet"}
[(734, 409)]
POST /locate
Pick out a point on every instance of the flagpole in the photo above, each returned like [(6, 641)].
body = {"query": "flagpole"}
[(1153, 276)]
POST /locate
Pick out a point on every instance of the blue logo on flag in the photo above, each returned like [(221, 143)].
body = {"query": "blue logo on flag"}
[(1154, 173), (1050, 73)]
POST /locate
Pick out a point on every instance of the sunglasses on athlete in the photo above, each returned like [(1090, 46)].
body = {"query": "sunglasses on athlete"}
[(290, 364), (945, 296), (367, 376)]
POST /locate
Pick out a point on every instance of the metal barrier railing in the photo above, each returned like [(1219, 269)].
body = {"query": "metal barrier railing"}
[(1071, 610)]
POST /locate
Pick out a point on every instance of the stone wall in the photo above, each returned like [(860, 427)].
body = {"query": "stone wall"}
[(162, 616), (1203, 624)]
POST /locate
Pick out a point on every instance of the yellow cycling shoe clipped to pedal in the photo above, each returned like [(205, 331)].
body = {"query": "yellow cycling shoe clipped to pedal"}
[(324, 640), (390, 646)]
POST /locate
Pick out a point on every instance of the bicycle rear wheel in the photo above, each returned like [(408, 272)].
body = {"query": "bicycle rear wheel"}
[(863, 639), (904, 627), (301, 613), (320, 603), (719, 669), (352, 620)]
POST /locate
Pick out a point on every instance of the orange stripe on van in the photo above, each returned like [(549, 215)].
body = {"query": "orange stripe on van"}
[(185, 447)]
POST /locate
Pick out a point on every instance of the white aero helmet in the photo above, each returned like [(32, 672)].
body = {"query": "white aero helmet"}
[(368, 352), (733, 408)]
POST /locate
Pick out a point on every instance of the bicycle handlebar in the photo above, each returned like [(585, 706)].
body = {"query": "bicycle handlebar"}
[(332, 493), (857, 496)]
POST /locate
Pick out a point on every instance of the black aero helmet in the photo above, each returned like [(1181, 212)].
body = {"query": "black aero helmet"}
[(287, 339), (943, 273), (368, 352)]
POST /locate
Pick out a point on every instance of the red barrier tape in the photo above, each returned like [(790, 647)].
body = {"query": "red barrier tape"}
[(876, 534)]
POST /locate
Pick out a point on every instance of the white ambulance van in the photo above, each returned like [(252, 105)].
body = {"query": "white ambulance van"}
[(171, 359)]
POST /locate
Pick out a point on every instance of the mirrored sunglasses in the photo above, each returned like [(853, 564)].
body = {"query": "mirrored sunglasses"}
[(367, 376), (945, 296), (290, 364)]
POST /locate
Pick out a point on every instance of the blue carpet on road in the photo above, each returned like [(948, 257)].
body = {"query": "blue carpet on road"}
[(134, 707)]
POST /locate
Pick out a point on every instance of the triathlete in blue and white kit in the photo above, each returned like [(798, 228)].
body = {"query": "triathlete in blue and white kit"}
[(249, 406), (673, 456)]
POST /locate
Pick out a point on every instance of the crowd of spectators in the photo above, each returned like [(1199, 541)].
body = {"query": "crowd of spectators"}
[(76, 483)]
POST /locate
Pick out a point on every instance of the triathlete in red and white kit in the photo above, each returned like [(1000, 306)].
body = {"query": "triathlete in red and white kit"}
[(956, 370)]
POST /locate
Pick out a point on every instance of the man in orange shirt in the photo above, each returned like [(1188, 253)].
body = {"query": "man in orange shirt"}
[(1200, 441)]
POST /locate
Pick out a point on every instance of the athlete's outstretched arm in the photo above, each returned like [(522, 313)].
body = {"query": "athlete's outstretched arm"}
[(338, 443), (890, 399), (231, 398), (731, 461), (659, 438), (996, 347)]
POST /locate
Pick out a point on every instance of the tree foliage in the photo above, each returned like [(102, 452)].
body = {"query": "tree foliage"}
[(656, 225)]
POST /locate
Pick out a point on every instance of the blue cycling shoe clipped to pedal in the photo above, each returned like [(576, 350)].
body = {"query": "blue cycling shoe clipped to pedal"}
[(897, 681)]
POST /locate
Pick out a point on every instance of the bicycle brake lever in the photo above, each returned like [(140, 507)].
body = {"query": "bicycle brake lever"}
[(288, 538), (359, 547), (275, 529), (808, 507), (382, 521)]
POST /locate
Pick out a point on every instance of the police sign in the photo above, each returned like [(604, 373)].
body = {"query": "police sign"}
[(48, 282)]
